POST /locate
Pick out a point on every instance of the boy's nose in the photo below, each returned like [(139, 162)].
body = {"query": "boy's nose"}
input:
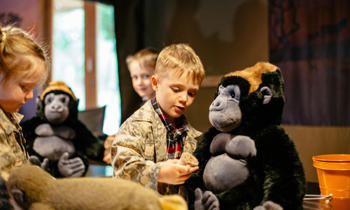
[(183, 97), (139, 81)]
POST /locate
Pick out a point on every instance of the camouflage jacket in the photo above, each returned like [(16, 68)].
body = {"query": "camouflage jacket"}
[(12, 143), (139, 147)]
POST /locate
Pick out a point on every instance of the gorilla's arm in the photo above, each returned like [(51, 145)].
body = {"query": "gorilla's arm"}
[(284, 175), (87, 144), (28, 128), (203, 155)]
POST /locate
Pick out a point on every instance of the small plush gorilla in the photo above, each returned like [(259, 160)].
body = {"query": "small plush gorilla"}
[(246, 159), (56, 139)]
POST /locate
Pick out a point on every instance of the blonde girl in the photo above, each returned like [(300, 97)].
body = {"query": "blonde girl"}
[(23, 64)]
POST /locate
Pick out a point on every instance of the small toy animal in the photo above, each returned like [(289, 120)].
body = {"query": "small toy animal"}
[(33, 188), (56, 139)]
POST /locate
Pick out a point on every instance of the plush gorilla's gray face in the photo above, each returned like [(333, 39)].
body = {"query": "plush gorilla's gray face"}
[(224, 112), (56, 107)]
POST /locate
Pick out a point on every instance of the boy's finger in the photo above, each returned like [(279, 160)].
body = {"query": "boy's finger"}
[(189, 170), (185, 177), (193, 169), (183, 170)]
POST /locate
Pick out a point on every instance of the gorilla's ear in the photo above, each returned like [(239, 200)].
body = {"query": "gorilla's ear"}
[(267, 94)]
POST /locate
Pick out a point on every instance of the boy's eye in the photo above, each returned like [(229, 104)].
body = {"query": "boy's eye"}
[(175, 89), (192, 93), (134, 77), (145, 76)]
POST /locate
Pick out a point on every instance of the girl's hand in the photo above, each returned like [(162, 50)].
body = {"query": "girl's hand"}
[(174, 172)]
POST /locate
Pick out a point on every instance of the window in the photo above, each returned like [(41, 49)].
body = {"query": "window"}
[(84, 56), (69, 57), (107, 77), (68, 47)]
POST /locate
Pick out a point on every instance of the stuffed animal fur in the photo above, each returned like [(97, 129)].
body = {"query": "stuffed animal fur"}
[(56, 139), (246, 159), (33, 188)]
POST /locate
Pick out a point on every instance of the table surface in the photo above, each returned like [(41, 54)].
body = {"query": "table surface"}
[(325, 204)]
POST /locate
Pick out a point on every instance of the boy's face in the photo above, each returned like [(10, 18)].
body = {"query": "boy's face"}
[(17, 90), (141, 80), (174, 93)]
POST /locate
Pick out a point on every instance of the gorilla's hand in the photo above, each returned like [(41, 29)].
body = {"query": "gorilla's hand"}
[(241, 146), (269, 205), (205, 201), (71, 167), (36, 161)]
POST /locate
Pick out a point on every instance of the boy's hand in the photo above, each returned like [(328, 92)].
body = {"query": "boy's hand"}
[(174, 172), (107, 153)]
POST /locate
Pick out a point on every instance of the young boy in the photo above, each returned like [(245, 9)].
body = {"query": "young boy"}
[(141, 66), (149, 143)]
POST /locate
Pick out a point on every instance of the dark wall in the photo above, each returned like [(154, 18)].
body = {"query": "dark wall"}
[(227, 35)]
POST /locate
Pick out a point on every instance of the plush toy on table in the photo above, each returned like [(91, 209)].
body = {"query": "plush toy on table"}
[(32, 188), (246, 159), (56, 139)]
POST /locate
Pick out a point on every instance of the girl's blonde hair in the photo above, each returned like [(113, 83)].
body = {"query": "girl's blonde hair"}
[(181, 58), (16, 48), (146, 58)]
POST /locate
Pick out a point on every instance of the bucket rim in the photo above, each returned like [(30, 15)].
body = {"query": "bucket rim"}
[(332, 158)]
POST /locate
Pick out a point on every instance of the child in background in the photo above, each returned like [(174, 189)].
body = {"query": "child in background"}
[(141, 66), (149, 143), (23, 64)]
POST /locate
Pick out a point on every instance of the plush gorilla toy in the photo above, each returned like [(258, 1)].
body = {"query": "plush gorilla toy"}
[(56, 139), (246, 159)]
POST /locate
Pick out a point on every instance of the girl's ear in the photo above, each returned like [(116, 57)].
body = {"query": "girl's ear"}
[(154, 83)]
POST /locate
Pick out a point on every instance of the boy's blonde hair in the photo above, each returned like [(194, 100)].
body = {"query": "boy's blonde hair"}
[(16, 48), (181, 58), (146, 58)]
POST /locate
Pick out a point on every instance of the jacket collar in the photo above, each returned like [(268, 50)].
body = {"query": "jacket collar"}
[(147, 113), (7, 124)]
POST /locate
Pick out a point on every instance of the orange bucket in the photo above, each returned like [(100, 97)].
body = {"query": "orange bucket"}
[(333, 173)]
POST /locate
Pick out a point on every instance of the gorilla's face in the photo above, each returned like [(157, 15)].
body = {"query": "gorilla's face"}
[(56, 107), (224, 112)]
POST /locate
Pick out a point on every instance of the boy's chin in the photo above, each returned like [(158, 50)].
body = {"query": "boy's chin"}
[(175, 115)]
